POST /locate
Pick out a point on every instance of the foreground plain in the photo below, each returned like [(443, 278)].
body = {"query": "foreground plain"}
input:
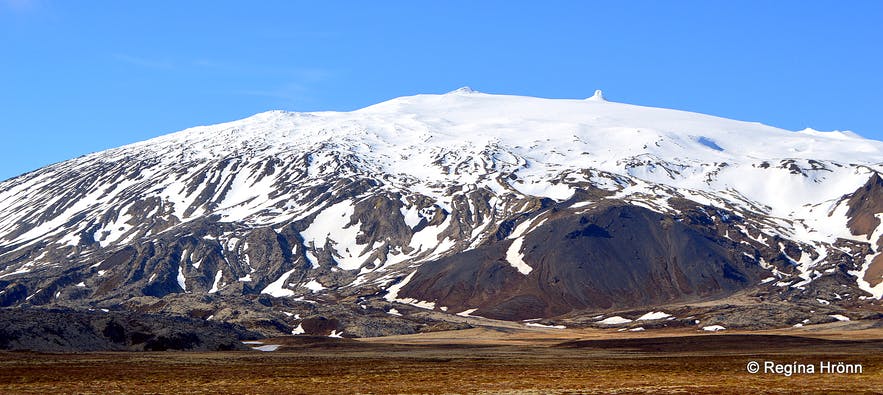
[(473, 361)]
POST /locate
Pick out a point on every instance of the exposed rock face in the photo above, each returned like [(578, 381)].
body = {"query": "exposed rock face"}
[(613, 257), (61, 330), (864, 204), (865, 208), (391, 218)]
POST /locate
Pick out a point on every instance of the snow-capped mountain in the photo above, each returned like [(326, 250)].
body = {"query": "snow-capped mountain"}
[(499, 206)]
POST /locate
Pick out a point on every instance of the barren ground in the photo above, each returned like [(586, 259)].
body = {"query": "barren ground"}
[(482, 360)]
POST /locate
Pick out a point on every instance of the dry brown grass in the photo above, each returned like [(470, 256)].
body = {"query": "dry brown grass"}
[(439, 367)]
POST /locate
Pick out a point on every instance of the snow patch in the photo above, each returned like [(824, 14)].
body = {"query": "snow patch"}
[(332, 226), (314, 286), (411, 216), (536, 325), (516, 259), (392, 293), (615, 320), (182, 282), (267, 348), (277, 288), (653, 315), (216, 283)]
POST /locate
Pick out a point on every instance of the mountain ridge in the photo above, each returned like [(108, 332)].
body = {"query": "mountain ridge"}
[(458, 202)]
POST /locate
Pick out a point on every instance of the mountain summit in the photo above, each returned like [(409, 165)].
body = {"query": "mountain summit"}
[(598, 96), (466, 203)]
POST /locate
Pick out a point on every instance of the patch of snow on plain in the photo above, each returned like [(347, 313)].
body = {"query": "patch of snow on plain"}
[(839, 317), (713, 328), (267, 348), (537, 325), (615, 320), (653, 315)]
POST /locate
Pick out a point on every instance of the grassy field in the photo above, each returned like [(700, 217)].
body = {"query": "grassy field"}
[(475, 361)]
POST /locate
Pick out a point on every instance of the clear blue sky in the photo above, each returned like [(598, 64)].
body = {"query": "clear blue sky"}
[(82, 76)]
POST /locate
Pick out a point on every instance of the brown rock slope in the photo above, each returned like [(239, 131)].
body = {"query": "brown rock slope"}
[(617, 256), (864, 204)]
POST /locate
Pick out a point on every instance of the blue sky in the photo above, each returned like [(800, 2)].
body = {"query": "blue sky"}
[(82, 76)]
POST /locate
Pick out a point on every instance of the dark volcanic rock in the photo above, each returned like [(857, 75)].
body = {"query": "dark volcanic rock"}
[(616, 257), (60, 330)]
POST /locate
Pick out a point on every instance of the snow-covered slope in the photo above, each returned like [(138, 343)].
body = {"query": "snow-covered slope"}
[(360, 199)]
